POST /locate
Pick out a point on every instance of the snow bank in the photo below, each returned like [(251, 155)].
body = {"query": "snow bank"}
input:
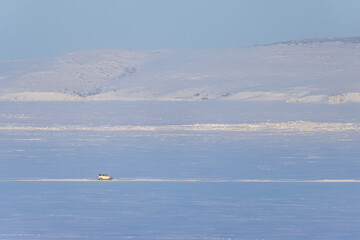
[(294, 126), (39, 96), (343, 98)]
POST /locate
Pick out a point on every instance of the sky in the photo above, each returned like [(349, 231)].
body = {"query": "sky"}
[(50, 28)]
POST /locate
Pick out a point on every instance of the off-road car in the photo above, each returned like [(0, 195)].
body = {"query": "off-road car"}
[(104, 177)]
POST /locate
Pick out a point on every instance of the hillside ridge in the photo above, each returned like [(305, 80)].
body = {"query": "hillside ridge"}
[(322, 70)]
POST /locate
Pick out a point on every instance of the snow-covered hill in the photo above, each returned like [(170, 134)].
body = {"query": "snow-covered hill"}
[(308, 71)]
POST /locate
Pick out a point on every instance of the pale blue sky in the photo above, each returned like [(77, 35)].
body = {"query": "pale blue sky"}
[(48, 28)]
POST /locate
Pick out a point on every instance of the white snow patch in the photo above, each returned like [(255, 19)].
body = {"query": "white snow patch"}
[(39, 96), (258, 96), (308, 99), (15, 116), (294, 126), (343, 98)]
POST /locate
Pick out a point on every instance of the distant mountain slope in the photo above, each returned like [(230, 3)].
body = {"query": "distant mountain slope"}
[(316, 70)]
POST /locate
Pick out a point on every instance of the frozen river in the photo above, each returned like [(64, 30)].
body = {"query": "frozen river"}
[(296, 181)]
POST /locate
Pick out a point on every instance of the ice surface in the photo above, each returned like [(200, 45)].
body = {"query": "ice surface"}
[(289, 179)]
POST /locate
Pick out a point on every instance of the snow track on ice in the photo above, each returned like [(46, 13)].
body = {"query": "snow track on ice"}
[(192, 180)]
